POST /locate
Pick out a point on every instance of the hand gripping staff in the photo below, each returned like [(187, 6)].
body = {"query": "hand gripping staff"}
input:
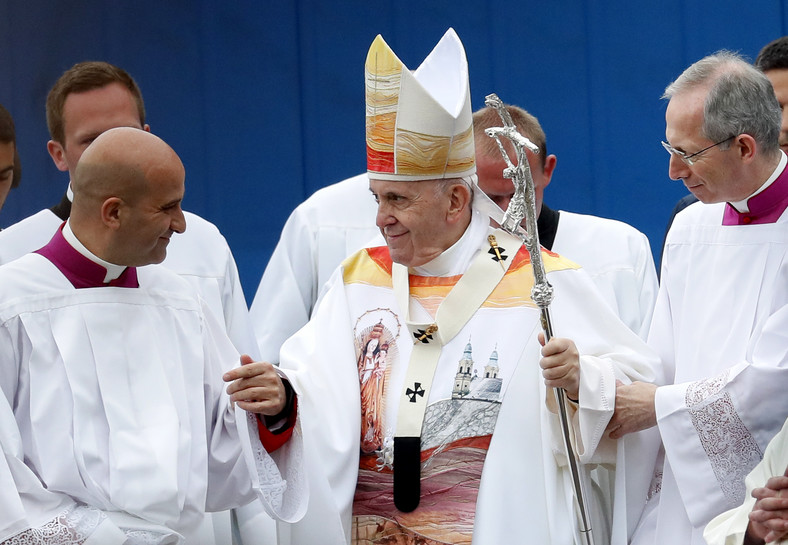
[(523, 205)]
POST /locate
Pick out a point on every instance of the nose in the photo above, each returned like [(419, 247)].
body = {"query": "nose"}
[(384, 217), (677, 169), (178, 222)]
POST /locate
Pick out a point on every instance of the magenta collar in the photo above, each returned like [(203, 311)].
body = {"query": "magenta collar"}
[(765, 207), (81, 271)]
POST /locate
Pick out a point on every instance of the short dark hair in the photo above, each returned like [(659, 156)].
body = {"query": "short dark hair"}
[(773, 56), (8, 135), (86, 76), (527, 124)]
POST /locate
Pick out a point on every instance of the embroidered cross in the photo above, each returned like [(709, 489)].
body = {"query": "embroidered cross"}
[(425, 335), (496, 251), (417, 391)]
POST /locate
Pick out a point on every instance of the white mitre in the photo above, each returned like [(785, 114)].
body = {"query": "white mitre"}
[(419, 123)]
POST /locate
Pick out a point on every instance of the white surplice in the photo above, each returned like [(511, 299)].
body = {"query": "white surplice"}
[(120, 407), (720, 326), (202, 256), (618, 259), (524, 489)]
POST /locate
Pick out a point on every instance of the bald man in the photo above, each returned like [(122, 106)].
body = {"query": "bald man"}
[(102, 363)]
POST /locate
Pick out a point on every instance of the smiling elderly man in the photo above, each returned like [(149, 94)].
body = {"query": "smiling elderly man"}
[(419, 375)]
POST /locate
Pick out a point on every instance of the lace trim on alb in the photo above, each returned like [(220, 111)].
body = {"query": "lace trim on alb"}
[(71, 527), (272, 483), (729, 445), (144, 537), (656, 485)]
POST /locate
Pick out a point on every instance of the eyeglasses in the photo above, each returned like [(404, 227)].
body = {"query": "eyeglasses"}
[(690, 159)]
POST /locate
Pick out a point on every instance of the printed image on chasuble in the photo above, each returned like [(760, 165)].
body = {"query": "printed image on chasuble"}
[(456, 434)]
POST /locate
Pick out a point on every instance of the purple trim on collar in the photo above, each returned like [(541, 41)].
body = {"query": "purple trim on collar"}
[(765, 207), (78, 269)]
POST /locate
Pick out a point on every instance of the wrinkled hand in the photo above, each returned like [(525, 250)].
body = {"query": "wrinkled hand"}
[(560, 365), (769, 515), (256, 387), (635, 409)]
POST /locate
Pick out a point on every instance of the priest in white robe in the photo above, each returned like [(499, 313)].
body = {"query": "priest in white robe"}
[(87, 99), (114, 372), (721, 316), (427, 407)]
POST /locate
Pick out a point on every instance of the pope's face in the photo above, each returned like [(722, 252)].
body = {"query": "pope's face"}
[(779, 79), (412, 216), (88, 114), (7, 152)]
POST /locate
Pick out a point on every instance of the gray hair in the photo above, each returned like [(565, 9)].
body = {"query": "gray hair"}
[(740, 99)]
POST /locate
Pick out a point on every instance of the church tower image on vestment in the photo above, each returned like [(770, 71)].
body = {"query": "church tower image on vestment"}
[(468, 385)]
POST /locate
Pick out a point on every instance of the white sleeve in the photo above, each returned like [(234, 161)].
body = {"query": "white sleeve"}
[(238, 465), (715, 430)]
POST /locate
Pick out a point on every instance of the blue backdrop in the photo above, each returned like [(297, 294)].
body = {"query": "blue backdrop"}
[(264, 99)]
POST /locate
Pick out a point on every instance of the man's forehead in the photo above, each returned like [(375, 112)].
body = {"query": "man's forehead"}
[(398, 186), (684, 115), (100, 109)]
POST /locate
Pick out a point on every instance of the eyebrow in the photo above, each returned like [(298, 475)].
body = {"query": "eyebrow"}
[(7, 169)]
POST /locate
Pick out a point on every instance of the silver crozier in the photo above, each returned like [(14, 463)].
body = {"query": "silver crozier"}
[(523, 205)]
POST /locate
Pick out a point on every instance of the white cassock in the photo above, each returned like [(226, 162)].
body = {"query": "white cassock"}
[(202, 256), (730, 527), (494, 466), (333, 223), (720, 326), (120, 407), (618, 259)]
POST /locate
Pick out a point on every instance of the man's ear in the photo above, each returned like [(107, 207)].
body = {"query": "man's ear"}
[(112, 211), (746, 146), (459, 200), (58, 154)]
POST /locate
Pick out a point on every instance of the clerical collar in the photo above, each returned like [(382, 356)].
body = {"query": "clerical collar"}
[(113, 271), (81, 267), (458, 257), (766, 205)]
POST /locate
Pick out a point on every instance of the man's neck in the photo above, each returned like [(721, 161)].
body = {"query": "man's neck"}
[(113, 271), (455, 259)]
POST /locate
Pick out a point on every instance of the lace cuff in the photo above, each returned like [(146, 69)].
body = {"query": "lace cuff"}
[(71, 527)]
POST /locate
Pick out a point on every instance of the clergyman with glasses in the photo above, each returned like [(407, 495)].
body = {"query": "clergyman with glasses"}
[(721, 319)]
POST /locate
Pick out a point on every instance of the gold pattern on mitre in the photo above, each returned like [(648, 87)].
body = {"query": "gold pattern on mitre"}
[(419, 124)]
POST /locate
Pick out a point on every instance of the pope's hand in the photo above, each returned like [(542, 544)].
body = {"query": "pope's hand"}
[(560, 365)]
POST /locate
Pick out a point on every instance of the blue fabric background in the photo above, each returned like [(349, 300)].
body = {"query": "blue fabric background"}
[(264, 99)]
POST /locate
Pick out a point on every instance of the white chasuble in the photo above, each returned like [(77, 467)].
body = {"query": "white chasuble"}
[(492, 463)]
